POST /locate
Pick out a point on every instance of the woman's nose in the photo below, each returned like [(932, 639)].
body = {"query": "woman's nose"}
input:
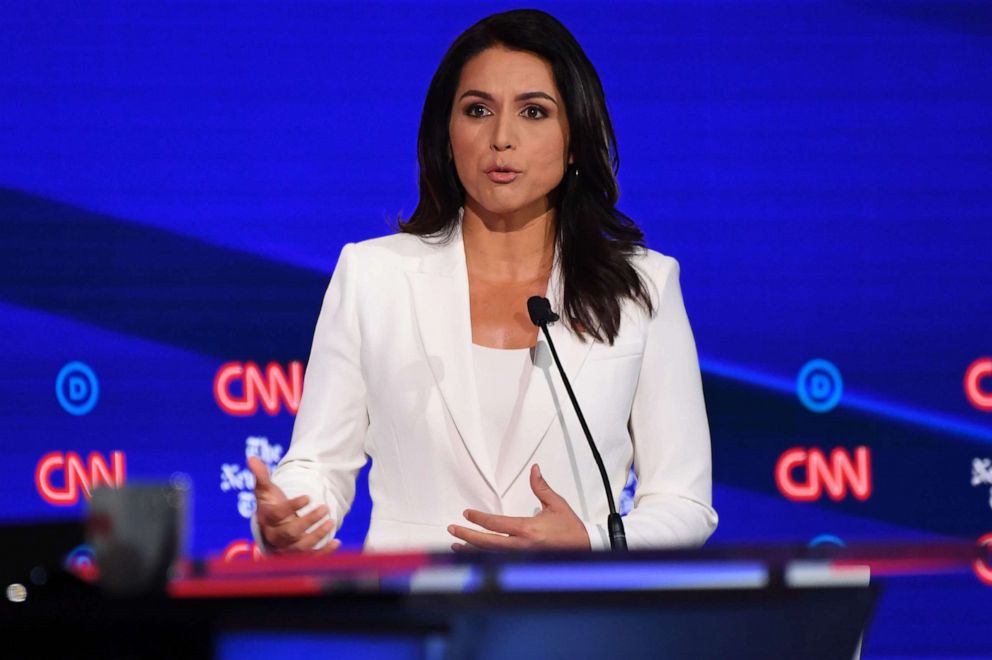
[(502, 138)]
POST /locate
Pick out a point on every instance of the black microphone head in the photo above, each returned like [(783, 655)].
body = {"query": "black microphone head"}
[(540, 311)]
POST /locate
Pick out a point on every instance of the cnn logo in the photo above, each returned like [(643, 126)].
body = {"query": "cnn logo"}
[(241, 549), (240, 388), (76, 476), (978, 371), (803, 476)]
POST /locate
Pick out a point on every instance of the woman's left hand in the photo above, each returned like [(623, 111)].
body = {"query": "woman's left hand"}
[(556, 526)]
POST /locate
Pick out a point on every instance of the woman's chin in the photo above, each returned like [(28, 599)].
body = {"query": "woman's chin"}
[(506, 206)]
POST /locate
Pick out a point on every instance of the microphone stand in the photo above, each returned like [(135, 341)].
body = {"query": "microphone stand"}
[(540, 315)]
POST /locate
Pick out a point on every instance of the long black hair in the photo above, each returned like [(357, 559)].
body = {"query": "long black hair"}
[(594, 241)]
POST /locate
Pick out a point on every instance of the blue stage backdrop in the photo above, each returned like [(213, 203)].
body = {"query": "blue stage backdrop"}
[(176, 182)]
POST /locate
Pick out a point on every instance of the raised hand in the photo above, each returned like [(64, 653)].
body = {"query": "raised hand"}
[(283, 529), (556, 526)]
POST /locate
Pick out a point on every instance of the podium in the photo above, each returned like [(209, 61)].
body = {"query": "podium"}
[(710, 603)]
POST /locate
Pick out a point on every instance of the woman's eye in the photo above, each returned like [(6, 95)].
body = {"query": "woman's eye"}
[(535, 112), (476, 110)]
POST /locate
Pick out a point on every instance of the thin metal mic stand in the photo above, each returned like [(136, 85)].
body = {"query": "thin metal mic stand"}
[(540, 315)]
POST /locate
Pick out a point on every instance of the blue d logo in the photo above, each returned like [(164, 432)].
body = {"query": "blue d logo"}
[(77, 388), (819, 385), (826, 539)]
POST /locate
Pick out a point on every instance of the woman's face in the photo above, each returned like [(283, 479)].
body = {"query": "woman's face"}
[(509, 133)]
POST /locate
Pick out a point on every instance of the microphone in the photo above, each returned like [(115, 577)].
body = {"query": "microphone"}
[(541, 315)]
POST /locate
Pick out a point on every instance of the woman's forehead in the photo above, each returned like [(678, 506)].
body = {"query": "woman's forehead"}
[(499, 69)]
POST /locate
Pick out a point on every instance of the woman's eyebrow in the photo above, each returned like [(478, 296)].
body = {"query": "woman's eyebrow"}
[(526, 96)]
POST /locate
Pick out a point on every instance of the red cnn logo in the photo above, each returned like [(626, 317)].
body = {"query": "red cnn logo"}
[(977, 371), (273, 388), (836, 475), (76, 475), (241, 549), (982, 568)]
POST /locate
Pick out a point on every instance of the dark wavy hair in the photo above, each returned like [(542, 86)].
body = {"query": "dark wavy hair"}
[(594, 241)]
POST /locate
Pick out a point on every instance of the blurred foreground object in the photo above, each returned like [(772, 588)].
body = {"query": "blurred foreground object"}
[(136, 532)]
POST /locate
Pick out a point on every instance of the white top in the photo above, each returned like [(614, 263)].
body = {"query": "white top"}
[(501, 376), (390, 377)]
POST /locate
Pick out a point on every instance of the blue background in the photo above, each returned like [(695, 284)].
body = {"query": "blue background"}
[(176, 180)]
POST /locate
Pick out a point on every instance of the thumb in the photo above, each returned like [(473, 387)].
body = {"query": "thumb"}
[(260, 472), (548, 497)]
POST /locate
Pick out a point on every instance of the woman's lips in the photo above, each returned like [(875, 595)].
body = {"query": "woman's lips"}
[(497, 176)]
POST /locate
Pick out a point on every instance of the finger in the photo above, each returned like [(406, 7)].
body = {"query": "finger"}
[(309, 539), (461, 547), (328, 548), (298, 503), (260, 472), (272, 514), (279, 511), (542, 490), (486, 541), (294, 537), (496, 523), (276, 512), (310, 519), (295, 527)]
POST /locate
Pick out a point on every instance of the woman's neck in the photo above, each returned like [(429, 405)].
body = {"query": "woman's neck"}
[(507, 248)]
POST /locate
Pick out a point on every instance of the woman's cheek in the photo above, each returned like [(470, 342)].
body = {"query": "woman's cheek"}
[(553, 167)]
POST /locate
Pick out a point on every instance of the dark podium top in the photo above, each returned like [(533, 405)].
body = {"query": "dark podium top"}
[(720, 602)]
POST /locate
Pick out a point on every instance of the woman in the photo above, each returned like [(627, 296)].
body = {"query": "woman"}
[(425, 359)]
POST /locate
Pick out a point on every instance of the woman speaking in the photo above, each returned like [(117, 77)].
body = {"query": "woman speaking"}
[(425, 359)]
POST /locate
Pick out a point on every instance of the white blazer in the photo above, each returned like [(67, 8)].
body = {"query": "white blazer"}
[(391, 378)]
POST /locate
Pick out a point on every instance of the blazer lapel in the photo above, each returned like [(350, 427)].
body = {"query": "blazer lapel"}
[(545, 397), (441, 302)]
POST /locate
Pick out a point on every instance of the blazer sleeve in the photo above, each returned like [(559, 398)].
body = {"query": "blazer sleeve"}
[(327, 447), (673, 498)]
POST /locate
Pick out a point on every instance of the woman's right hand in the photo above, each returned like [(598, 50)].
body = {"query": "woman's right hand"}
[(283, 529)]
